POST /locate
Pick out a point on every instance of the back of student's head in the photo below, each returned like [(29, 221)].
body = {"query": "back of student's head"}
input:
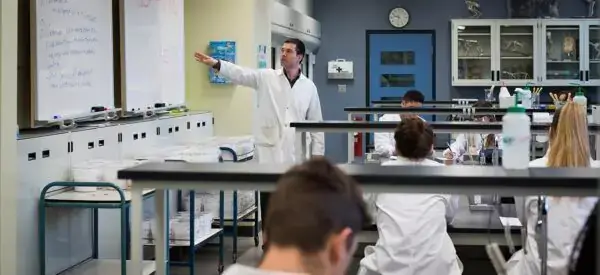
[(413, 96), (414, 138), (313, 202), (569, 143)]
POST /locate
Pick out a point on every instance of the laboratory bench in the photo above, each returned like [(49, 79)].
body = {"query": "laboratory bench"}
[(470, 180)]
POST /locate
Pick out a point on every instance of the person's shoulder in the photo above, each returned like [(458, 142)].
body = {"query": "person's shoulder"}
[(310, 83), (390, 117), (541, 162), (429, 162), (238, 269)]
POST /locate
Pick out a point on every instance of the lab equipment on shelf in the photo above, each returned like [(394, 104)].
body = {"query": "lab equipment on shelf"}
[(238, 205)]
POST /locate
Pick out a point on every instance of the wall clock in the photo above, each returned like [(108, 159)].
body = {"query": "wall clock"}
[(399, 17)]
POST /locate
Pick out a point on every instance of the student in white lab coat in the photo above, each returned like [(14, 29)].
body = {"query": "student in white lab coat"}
[(314, 216), (471, 144), (413, 237), (284, 95), (384, 142), (569, 147)]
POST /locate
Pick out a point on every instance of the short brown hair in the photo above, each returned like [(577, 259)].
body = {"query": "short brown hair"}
[(414, 138), (312, 201)]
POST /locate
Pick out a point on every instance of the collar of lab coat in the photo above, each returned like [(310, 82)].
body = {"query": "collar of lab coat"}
[(280, 73), (399, 160), (544, 159)]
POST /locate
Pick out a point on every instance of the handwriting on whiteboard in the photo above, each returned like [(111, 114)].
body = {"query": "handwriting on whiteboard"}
[(171, 5), (70, 41)]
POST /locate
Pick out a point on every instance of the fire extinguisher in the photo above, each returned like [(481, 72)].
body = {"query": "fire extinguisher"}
[(358, 140)]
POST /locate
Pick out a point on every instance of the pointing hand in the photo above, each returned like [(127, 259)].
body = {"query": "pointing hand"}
[(200, 57)]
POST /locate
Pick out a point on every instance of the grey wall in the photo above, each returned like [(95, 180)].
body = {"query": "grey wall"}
[(344, 23), (303, 6)]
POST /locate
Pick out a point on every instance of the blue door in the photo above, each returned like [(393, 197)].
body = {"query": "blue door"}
[(399, 62)]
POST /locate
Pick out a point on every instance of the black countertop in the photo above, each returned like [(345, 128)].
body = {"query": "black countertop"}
[(437, 126), (574, 181)]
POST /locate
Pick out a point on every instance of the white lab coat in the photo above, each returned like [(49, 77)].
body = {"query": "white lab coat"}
[(385, 145), (278, 104), (413, 237), (566, 217), (238, 269), (469, 144)]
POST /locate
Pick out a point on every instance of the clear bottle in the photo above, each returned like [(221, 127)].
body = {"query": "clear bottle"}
[(516, 138)]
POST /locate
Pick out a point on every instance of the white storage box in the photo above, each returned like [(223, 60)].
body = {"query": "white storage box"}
[(236, 148), (208, 201), (179, 228)]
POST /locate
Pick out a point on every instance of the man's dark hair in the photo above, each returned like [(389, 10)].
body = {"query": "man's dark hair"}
[(413, 96), (414, 138), (312, 201), (300, 47)]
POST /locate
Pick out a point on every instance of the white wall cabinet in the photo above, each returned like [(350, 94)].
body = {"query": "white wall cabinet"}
[(543, 52)]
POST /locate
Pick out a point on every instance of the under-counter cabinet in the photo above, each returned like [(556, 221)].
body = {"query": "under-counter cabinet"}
[(543, 52)]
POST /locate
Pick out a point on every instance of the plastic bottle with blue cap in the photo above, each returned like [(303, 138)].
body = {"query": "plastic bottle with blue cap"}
[(516, 137), (580, 99)]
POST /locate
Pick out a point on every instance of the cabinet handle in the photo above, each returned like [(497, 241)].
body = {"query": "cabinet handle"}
[(493, 76), (580, 75), (497, 75), (587, 75)]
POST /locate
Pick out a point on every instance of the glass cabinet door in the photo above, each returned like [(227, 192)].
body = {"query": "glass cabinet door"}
[(594, 53), (562, 53), (516, 53), (474, 53)]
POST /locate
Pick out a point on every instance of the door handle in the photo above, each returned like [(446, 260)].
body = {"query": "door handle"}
[(587, 75), (580, 75), (493, 76), (497, 75)]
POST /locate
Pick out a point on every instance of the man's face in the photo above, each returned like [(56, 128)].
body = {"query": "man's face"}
[(289, 56), (407, 104)]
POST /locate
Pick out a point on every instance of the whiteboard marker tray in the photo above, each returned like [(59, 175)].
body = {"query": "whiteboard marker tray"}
[(105, 267)]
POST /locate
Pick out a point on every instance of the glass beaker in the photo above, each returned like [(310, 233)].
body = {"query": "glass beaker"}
[(489, 95), (535, 100)]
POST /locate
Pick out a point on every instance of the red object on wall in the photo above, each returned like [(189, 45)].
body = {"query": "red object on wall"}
[(358, 140)]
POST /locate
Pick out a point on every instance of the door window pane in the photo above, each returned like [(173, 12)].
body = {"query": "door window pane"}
[(397, 80), (398, 58)]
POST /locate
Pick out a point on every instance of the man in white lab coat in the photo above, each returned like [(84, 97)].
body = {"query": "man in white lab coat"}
[(384, 142), (284, 95), (312, 224)]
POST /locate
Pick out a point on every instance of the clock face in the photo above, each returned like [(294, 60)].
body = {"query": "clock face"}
[(399, 17)]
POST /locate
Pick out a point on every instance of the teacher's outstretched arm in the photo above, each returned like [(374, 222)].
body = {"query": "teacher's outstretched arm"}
[(236, 74)]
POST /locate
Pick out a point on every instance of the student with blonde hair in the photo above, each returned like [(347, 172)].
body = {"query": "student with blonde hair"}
[(569, 147)]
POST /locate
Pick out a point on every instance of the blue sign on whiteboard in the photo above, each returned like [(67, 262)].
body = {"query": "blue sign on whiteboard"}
[(221, 50)]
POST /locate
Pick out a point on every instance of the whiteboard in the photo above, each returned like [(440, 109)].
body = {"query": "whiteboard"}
[(154, 53), (73, 57)]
